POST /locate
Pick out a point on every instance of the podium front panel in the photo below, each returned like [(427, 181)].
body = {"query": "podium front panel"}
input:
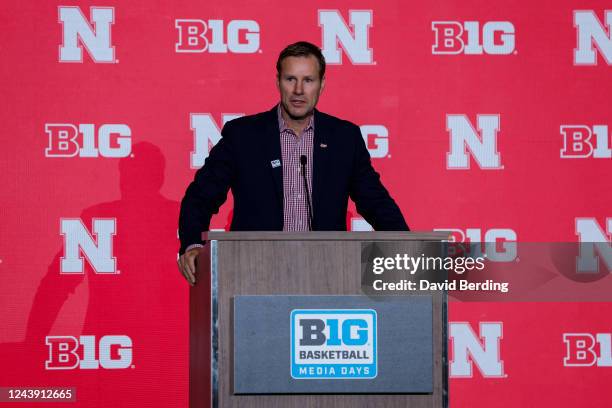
[(236, 265), (332, 344)]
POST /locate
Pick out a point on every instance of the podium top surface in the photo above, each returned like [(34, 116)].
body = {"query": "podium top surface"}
[(324, 236)]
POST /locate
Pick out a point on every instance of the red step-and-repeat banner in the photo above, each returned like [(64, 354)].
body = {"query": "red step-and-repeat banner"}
[(488, 119)]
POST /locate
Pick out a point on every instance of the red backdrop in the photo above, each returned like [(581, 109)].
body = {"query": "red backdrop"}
[(489, 119)]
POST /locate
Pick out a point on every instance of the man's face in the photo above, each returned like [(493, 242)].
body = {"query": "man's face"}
[(299, 85)]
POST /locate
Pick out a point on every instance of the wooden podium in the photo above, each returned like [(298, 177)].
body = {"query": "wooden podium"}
[(279, 263)]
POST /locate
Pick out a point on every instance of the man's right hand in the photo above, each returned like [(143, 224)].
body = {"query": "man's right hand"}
[(187, 264)]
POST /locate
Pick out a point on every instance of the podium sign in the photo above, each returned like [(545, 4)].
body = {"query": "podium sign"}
[(332, 344)]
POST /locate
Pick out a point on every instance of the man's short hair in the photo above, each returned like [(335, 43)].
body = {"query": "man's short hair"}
[(302, 49)]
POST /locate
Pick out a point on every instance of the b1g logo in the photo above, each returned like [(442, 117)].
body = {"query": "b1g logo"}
[(499, 243), (77, 32), (481, 143), (585, 350), (359, 224), (337, 33), (578, 142), (68, 140), (592, 34), (376, 138), (207, 133), (333, 343), (453, 38), (196, 35), (69, 353)]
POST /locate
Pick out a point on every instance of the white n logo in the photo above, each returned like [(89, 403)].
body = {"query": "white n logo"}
[(336, 32), (463, 135), (592, 32), (206, 134), (467, 349), (593, 238), (96, 40), (78, 239)]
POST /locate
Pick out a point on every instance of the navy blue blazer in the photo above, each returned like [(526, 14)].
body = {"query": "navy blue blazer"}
[(242, 160)]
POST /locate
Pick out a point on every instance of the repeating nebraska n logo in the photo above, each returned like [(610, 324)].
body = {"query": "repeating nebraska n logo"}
[(593, 239), (337, 33), (77, 240), (206, 134), (483, 349), (482, 144), (77, 31), (592, 34)]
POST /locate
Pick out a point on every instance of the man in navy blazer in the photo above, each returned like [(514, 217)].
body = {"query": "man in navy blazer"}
[(251, 154)]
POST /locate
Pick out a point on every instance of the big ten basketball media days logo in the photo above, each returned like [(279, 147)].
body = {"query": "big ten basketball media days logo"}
[(579, 143), (592, 35), (207, 132), (468, 348), (496, 244), (93, 34), (82, 140), (595, 244), (333, 343), (98, 251), (472, 38), (586, 350), (481, 141), (217, 36), (354, 37), (85, 353)]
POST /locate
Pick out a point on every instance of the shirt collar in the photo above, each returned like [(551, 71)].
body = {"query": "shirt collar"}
[(282, 125)]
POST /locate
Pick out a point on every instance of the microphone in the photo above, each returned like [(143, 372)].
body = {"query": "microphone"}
[(303, 161)]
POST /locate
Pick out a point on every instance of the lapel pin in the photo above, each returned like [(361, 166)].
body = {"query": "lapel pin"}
[(275, 163), (323, 145)]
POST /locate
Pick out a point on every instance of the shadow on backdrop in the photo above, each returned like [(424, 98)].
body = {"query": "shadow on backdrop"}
[(146, 300)]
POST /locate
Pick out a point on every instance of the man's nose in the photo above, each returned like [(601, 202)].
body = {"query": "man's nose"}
[(299, 88)]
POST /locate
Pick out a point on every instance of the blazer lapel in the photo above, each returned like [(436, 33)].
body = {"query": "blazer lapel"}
[(320, 161), (273, 150)]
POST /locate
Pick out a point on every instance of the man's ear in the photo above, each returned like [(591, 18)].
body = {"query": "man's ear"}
[(322, 84), (278, 82)]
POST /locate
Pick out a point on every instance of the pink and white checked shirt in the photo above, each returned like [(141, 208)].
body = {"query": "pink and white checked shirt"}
[(293, 147), (295, 206)]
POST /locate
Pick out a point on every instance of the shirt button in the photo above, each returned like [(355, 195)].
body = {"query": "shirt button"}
[(299, 196)]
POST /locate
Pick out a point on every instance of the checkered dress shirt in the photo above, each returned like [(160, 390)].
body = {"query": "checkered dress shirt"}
[(295, 203), (295, 206)]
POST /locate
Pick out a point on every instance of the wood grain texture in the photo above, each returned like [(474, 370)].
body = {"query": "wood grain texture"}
[(305, 267)]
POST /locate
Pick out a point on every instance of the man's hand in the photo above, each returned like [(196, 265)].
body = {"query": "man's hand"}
[(186, 264)]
